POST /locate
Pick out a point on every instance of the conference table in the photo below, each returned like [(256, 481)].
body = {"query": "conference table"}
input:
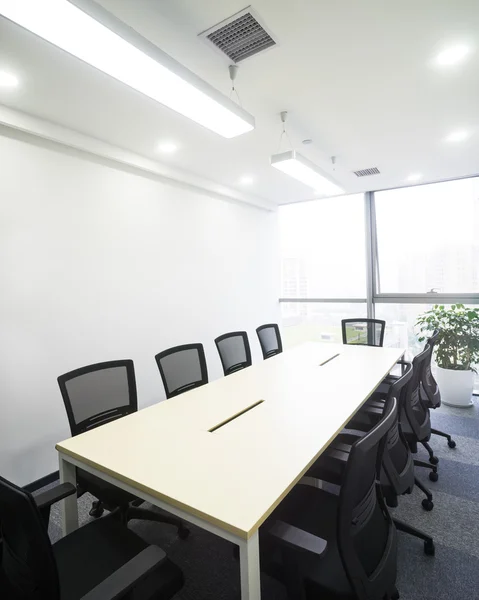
[(224, 455)]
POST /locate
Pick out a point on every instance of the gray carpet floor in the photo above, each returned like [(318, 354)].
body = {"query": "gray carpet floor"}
[(212, 573)]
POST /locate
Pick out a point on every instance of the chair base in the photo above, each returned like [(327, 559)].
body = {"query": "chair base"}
[(432, 459), (450, 442), (429, 548), (427, 503)]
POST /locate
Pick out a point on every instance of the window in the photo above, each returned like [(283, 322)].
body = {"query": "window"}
[(316, 321), (428, 238), (323, 248)]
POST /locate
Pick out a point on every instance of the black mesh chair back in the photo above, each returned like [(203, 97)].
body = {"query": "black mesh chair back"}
[(366, 533), (27, 566), (270, 340), (99, 393), (413, 409), (234, 351), (429, 384), (364, 332), (182, 368), (398, 464)]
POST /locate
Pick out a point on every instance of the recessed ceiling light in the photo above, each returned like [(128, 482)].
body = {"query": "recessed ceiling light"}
[(8, 80), (167, 147), (457, 136), (414, 177), (98, 38), (453, 55), (246, 180)]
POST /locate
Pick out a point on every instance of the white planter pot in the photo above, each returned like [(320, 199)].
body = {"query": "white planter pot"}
[(456, 387)]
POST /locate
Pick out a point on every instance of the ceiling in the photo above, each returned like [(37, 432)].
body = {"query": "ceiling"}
[(358, 78)]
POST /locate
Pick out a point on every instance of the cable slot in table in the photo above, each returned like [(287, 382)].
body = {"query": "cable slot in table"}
[(226, 421), (329, 359)]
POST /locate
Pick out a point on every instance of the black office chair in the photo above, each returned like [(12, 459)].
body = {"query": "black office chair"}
[(93, 396), (234, 351), (270, 340), (397, 473), (363, 332), (415, 418), (430, 394), (103, 560), (182, 368), (338, 543)]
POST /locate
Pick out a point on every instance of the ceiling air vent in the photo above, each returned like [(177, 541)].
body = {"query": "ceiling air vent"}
[(367, 172), (240, 36)]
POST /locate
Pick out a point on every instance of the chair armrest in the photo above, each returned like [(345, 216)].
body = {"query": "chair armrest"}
[(352, 432), (126, 577), (296, 538), (323, 484), (371, 410), (59, 492)]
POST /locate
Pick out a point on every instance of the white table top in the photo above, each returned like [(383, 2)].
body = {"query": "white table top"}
[(235, 476)]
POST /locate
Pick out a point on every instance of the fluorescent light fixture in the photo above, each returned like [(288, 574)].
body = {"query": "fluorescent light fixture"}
[(453, 55), (246, 180), (8, 80), (458, 136), (167, 147), (415, 177), (295, 165), (87, 31)]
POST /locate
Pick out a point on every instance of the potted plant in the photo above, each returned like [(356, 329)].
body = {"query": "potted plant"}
[(457, 349)]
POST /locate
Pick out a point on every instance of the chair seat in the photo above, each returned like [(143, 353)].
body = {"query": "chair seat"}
[(92, 553), (315, 511), (109, 494)]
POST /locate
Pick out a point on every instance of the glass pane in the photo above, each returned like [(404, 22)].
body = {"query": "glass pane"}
[(316, 321), (428, 238), (322, 248), (400, 327)]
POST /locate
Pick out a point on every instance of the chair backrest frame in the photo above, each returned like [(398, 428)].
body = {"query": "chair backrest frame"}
[(27, 565), (269, 352), (413, 408), (232, 368), (189, 385), (429, 384), (110, 414), (355, 515), (399, 476), (371, 333)]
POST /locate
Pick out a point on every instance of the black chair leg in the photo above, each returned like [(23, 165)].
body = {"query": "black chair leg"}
[(428, 541), (427, 502), (394, 595), (96, 509), (149, 515), (433, 476), (432, 459), (450, 442)]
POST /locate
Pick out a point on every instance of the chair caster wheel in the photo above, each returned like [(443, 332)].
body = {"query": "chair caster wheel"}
[(429, 548), (427, 504), (434, 460), (433, 476), (183, 533), (451, 444), (96, 513)]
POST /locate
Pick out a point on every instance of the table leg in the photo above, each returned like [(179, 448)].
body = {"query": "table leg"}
[(249, 566), (69, 504)]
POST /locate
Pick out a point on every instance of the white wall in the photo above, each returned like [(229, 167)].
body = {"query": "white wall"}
[(97, 263)]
